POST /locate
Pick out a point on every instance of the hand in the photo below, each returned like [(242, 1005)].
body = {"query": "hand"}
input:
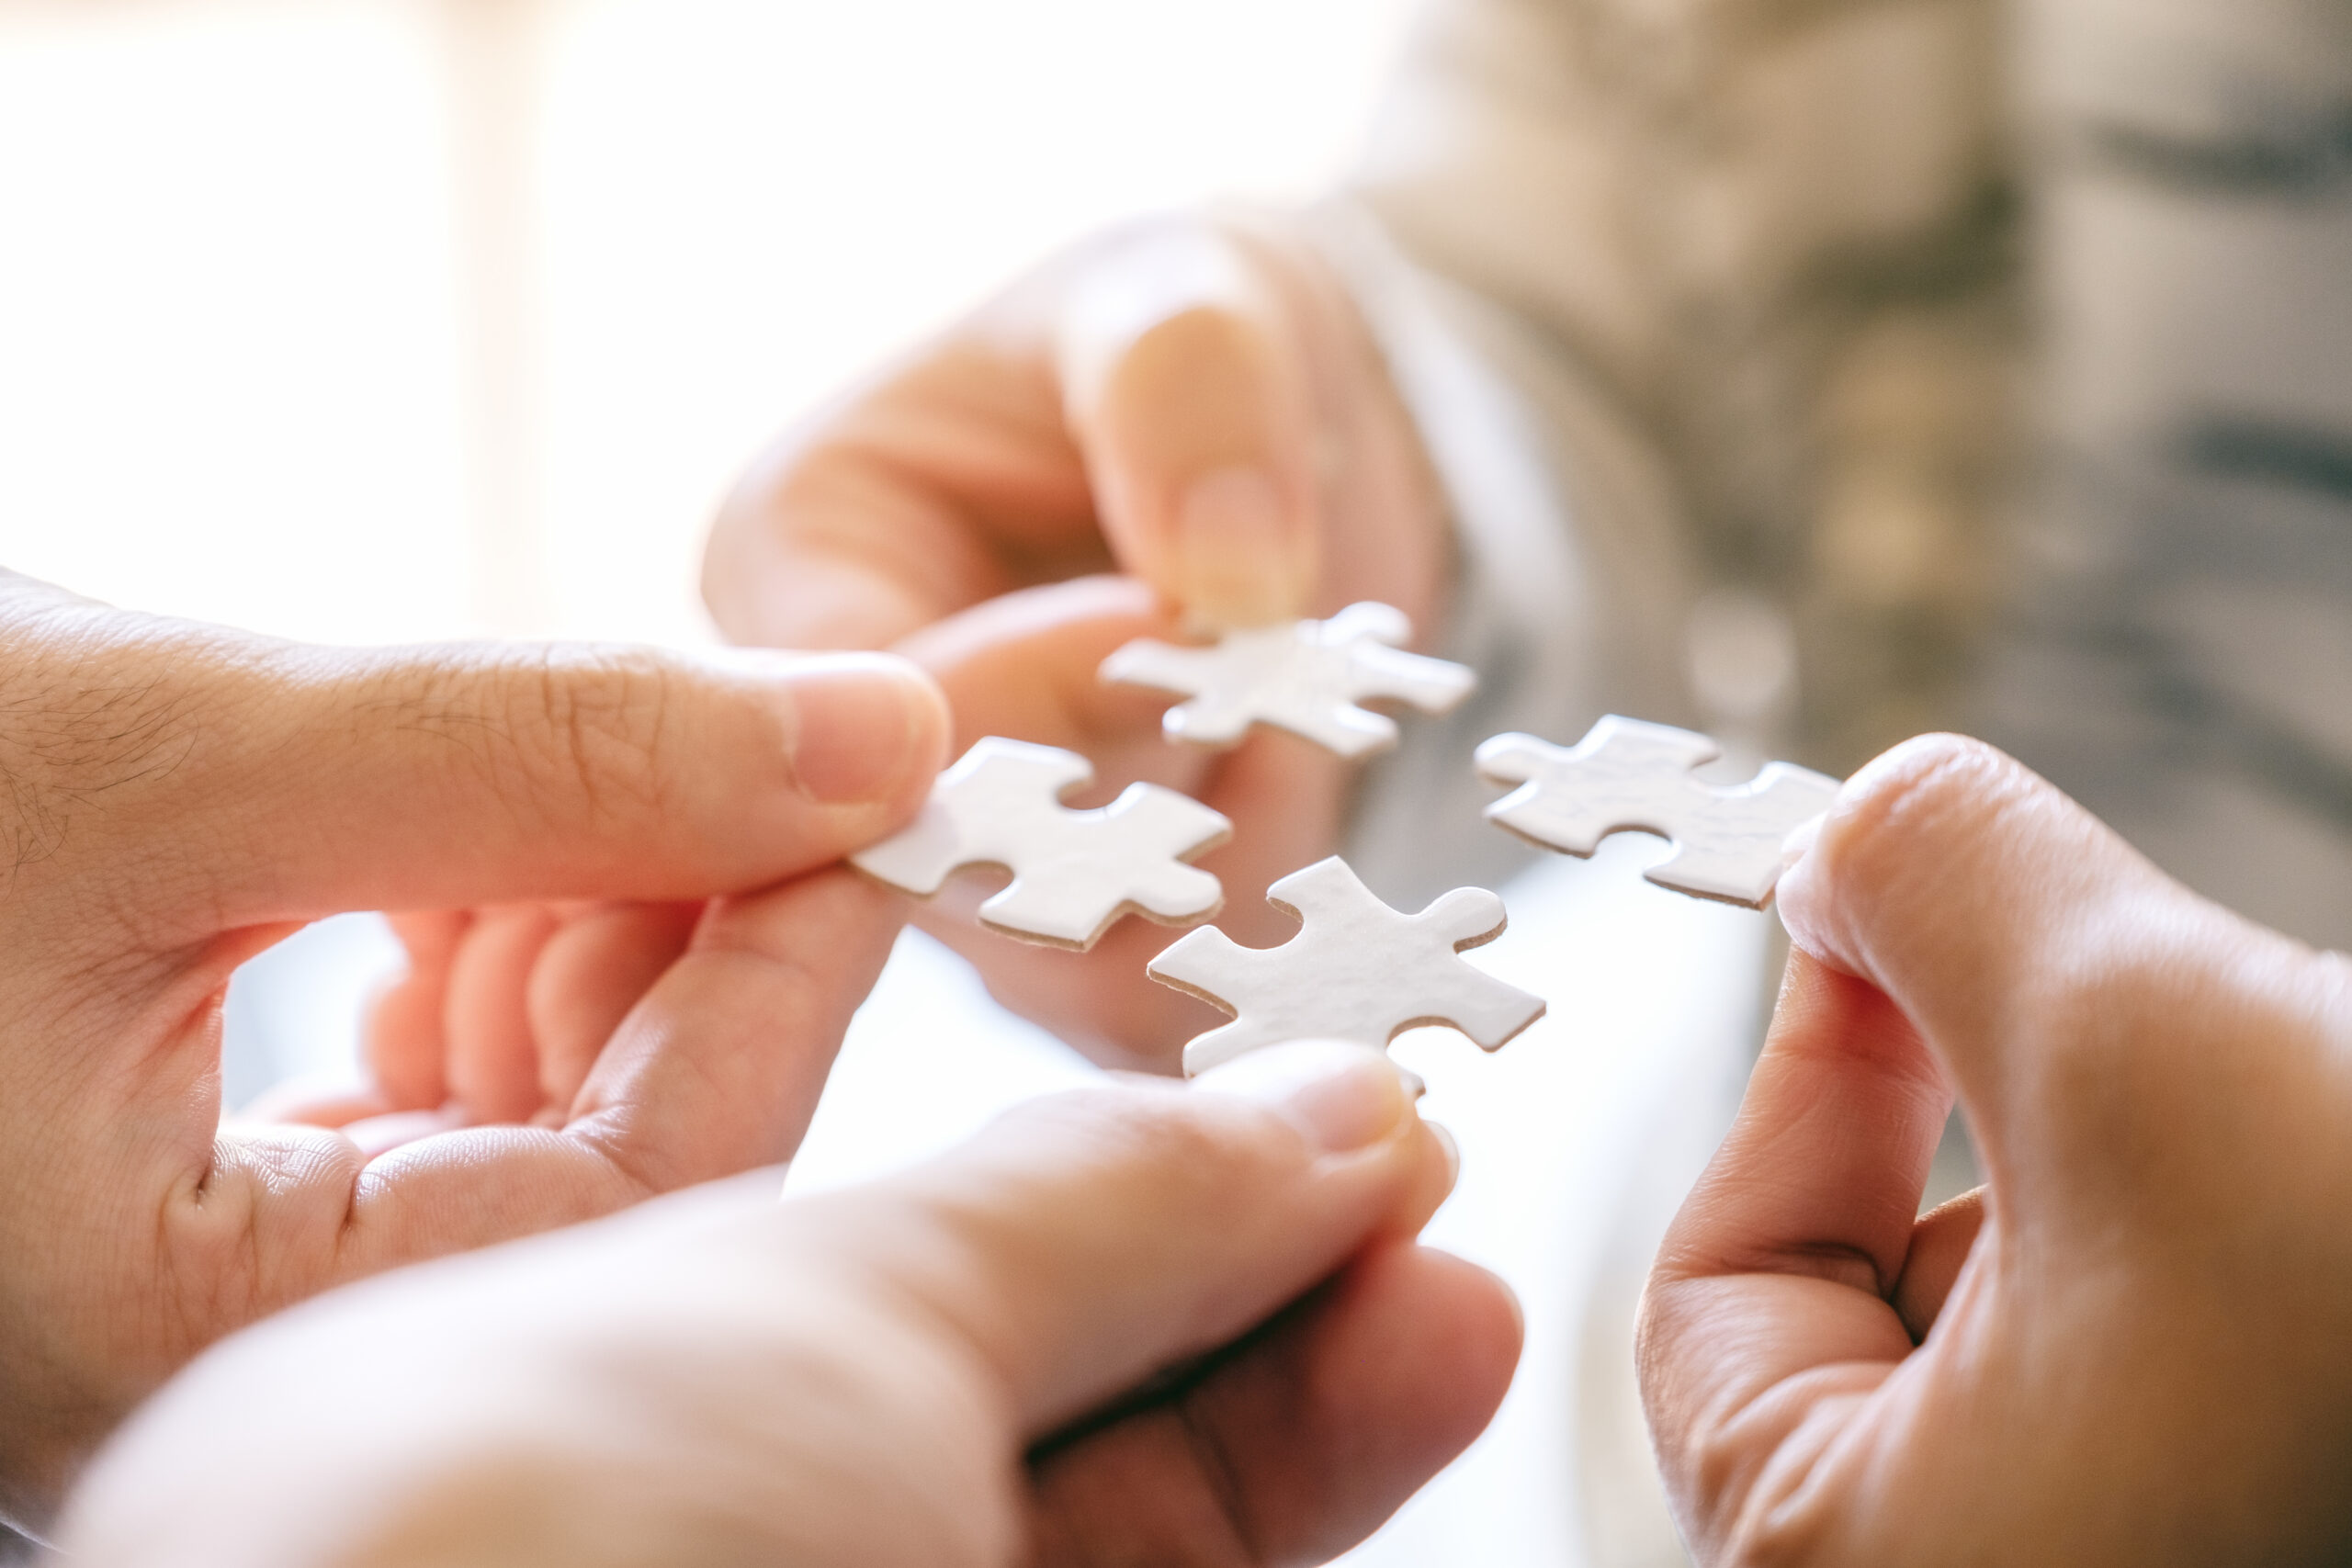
[(1136, 1323), (2130, 1346), (180, 797), (1194, 402)]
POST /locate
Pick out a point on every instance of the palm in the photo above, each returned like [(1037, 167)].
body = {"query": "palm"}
[(161, 1232)]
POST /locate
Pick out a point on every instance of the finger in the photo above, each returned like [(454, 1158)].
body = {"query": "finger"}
[(1186, 383), (718, 1066), (892, 516), (588, 977), (379, 1135), (331, 779), (1941, 1245), (1773, 1290), (494, 1064), (1088, 1240), (314, 1102), (1027, 665), (1306, 1439), (717, 1070), (1963, 886), (2066, 984), (952, 480), (406, 1043), (1822, 1172)]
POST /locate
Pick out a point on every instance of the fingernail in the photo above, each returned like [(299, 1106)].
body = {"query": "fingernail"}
[(1451, 1150), (860, 722), (1343, 1096), (1233, 548), (1801, 840)]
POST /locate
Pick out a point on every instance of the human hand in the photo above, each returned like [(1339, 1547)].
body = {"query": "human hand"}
[(179, 797), (1139, 1323), (1194, 402), (2130, 1346)]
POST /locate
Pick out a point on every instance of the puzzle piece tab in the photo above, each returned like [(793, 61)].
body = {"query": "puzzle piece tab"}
[(1306, 676), (1357, 970), (1628, 774), (1074, 873)]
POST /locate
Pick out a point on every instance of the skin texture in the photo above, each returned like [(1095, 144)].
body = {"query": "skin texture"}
[(2129, 1347), (179, 797), (1138, 1324), (1192, 404)]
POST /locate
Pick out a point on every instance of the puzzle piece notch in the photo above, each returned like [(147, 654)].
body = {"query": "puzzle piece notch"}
[(1628, 776), (1357, 970), (1308, 677), (1074, 873)]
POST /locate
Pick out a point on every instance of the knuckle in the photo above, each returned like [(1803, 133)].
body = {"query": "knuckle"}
[(559, 735), (2155, 1021), (590, 729)]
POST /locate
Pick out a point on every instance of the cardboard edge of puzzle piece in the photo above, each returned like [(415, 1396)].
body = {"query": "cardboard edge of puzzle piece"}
[(1086, 943), (1310, 678), (1325, 897), (1021, 785), (1180, 952), (1629, 764)]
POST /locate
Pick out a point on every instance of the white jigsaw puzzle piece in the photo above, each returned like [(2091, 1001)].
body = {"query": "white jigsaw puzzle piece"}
[(1308, 677), (1357, 970), (1625, 774), (1074, 873)]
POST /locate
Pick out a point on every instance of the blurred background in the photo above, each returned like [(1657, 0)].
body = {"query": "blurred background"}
[(361, 319), (378, 320)]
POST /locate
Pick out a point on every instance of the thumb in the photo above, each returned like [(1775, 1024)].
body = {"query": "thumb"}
[(1089, 1240), (1184, 381), (2043, 961), (305, 781)]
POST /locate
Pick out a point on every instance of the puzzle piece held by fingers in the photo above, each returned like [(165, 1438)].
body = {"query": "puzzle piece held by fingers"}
[(1628, 774), (1074, 873), (1357, 970), (1304, 676)]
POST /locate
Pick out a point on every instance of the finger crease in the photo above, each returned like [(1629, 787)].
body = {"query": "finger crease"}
[(1217, 1469)]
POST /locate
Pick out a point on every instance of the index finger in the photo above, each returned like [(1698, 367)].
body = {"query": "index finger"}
[(1186, 384), (1775, 1292), (949, 480), (715, 1071), (1143, 402)]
